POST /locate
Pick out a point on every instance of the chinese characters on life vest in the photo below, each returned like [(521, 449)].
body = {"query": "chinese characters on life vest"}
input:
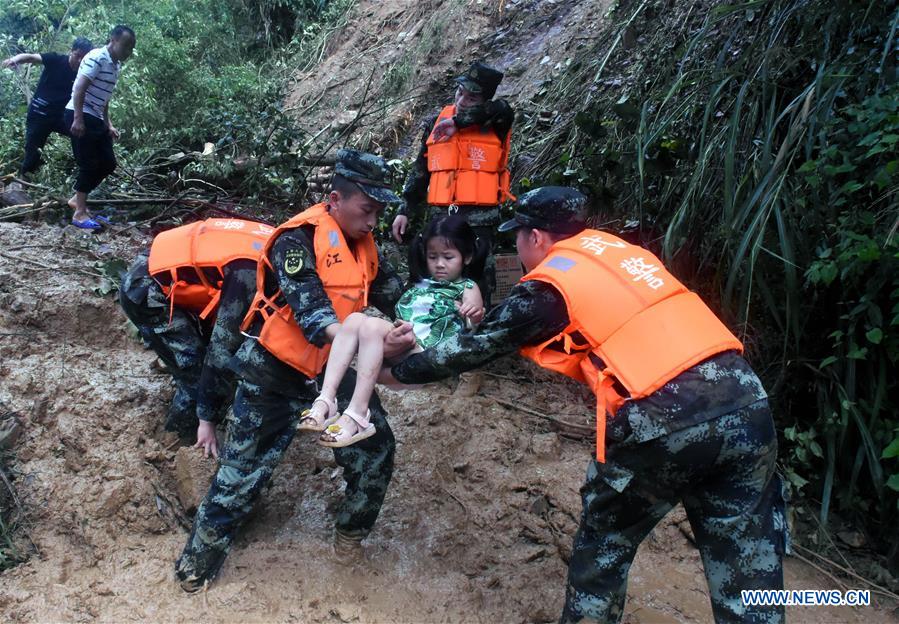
[(638, 267), (635, 265)]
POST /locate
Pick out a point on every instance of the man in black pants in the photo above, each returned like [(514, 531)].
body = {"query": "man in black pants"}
[(87, 115), (45, 112)]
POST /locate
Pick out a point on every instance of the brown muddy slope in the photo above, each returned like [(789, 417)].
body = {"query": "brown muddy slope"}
[(477, 525), (393, 63)]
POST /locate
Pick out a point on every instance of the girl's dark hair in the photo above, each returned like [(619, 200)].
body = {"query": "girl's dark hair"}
[(458, 234)]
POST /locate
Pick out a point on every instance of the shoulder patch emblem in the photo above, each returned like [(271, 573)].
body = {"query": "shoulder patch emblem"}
[(293, 263)]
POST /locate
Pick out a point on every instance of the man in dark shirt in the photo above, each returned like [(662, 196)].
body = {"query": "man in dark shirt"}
[(474, 107), (706, 438), (45, 112)]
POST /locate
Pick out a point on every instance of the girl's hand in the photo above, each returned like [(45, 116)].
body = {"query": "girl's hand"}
[(471, 310)]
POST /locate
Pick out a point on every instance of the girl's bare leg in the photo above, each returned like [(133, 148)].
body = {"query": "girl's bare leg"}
[(368, 364), (343, 348)]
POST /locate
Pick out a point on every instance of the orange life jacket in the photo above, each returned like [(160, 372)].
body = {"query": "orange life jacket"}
[(188, 261), (631, 321), (345, 273), (470, 168)]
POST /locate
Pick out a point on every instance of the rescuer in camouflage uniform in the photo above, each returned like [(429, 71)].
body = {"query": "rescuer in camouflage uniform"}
[(706, 439), (479, 81), (195, 352), (271, 396)]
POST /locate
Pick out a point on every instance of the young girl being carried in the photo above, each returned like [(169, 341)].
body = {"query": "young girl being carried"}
[(444, 263)]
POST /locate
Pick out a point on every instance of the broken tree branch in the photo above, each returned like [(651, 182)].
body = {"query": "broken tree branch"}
[(875, 588), (49, 267), (582, 430)]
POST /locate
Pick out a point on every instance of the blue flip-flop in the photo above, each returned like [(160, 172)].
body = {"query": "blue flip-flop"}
[(87, 224), (102, 219)]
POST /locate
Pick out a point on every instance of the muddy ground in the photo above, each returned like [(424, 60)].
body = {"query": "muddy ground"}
[(477, 525)]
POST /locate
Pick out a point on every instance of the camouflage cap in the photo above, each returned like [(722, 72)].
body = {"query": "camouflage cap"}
[(557, 209), (370, 173), (480, 78)]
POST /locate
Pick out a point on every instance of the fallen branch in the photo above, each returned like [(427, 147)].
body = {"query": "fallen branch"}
[(15, 207), (130, 201), (12, 178), (877, 589), (826, 534), (582, 430), (18, 210), (53, 247), (163, 212), (4, 215), (455, 498), (833, 578), (49, 267)]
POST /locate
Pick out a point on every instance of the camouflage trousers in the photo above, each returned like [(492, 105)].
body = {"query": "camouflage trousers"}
[(179, 343), (263, 427), (484, 222), (723, 471)]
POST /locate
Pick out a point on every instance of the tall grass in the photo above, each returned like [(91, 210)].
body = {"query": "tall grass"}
[(754, 145)]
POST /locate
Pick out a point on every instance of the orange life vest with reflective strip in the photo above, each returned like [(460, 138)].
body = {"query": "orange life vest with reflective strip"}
[(470, 168), (631, 322), (346, 275), (188, 261)]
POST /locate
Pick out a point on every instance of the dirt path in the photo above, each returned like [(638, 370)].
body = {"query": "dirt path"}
[(477, 525)]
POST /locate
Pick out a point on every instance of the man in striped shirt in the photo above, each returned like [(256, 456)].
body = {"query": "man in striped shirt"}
[(87, 115)]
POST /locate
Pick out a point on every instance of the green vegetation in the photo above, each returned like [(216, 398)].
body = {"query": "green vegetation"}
[(754, 145), (202, 72)]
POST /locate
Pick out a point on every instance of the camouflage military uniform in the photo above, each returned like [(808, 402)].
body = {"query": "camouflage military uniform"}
[(270, 398), (706, 439), (496, 115), (195, 352), (263, 427)]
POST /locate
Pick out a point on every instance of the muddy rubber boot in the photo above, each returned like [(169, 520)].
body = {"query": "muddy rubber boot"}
[(348, 547), (193, 577), (193, 585)]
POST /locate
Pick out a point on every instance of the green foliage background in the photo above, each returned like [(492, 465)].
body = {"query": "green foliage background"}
[(754, 145), (202, 71)]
